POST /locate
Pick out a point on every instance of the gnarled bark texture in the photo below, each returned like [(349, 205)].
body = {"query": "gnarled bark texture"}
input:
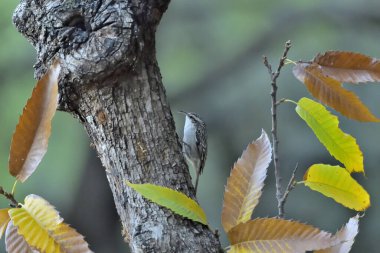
[(111, 82)]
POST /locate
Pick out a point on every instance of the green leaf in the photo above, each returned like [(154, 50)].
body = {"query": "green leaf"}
[(326, 127), (336, 182), (176, 201)]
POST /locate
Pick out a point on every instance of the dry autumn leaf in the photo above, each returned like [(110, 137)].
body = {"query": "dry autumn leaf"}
[(30, 139), (278, 235), (4, 219), (70, 240), (346, 236), (245, 183), (330, 92), (349, 67), (14, 242)]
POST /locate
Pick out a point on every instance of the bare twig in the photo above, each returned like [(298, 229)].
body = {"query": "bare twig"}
[(9, 196), (364, 18), (274, 76), (289, 188)]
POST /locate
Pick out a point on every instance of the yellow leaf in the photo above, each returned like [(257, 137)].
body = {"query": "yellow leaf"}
[(349, 67), (336, 182), (34, 234), (326, 127), (35, 220), (15, 243), (277, 235), (346, 236), (4, 219), (330, 92), (43, 229), (42, 211), (176, 201), (245, 183), (30, 139)]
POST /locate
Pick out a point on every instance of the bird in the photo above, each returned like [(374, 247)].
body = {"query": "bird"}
[(194, 141)]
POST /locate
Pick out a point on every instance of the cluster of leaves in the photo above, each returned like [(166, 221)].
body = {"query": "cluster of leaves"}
[(242, 194), (36, 226), (334, 181), (322, 77)]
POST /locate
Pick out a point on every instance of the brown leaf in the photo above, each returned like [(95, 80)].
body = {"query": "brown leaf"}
[(70, 240), (15, 243), (349, 67), (278, 235), (30, 139), (330, 92), (4, 220), (346, 236), (244, 185)]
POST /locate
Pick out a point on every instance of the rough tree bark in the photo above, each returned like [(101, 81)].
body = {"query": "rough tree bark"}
[(111, 82)]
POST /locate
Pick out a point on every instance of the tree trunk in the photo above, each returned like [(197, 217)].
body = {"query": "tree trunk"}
[(111, 82)]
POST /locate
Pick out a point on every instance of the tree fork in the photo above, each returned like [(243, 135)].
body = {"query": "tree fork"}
[(111, 82)]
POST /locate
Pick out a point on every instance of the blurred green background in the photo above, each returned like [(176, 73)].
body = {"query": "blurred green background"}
[(210, 53)]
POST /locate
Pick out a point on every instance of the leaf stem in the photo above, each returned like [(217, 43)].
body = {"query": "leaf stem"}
[(290, 101), (274, 76), (288, 61), (14, 187), (285, 100)]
